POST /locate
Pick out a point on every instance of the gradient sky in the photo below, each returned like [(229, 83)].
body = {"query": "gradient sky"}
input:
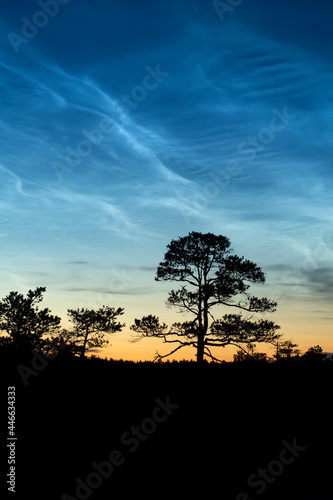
[(197, 120)]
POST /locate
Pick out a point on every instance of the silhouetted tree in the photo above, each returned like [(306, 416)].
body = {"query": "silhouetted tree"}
[(90, 327), (23, 322), (249, 354), (314, 354), (286, 350), (212, 276)]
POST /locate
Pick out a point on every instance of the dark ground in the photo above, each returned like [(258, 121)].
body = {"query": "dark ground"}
[(232, 419)]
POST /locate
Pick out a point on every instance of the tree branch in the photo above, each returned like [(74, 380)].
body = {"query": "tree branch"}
[(159, 356)]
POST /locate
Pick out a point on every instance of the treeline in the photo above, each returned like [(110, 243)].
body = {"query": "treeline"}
[(25, 328), (286, 352)]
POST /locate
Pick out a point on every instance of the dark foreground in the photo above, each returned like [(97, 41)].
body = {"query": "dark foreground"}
[(103, 430)]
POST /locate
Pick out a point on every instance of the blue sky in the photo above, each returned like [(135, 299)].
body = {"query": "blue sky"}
[(127, 124)]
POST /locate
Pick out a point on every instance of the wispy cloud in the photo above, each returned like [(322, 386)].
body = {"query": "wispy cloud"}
[(321, 280)]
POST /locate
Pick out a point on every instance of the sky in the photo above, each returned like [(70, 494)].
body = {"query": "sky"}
[(127, 124)]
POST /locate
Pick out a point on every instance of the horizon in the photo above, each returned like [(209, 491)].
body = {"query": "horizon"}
[(121, 348), (126, 126)]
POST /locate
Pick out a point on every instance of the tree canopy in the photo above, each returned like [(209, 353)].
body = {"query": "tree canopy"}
[(22, 320), (90, 326)]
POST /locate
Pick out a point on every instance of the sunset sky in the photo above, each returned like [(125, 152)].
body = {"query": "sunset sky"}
[(127, 124)]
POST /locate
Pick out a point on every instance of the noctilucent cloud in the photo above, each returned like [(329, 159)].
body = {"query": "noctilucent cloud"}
[(126, 124)]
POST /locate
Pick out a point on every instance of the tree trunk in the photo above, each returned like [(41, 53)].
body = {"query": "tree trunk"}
[(84, 343), (200, 350)]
